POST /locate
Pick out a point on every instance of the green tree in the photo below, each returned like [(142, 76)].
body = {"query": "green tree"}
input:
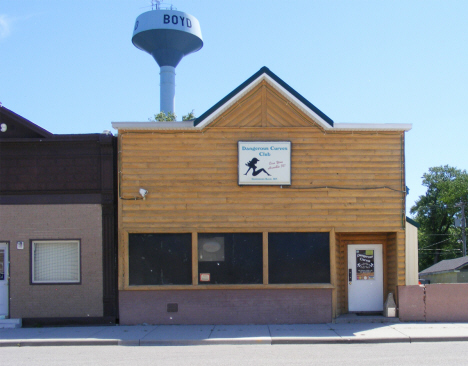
[(169, 117), (435, 211), (163, 117), (189, 116)]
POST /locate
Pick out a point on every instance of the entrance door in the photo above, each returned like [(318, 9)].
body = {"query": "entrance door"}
[(365, 277), (3, 279)]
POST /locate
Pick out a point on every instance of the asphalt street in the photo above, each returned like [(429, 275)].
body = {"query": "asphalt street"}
[(382, 354)]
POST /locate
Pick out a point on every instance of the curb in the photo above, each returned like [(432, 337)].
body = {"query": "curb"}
[(208, 342), (439, 339), (60, 342), (205, 342), (337, 340)]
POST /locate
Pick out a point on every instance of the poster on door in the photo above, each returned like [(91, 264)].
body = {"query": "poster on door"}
[(365, 265)]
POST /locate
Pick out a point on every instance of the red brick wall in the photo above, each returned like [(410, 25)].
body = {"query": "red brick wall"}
[(286, 306)]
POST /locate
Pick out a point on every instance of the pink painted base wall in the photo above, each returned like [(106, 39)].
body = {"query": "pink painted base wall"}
[(434, 303), (411, 303), (227, 306)]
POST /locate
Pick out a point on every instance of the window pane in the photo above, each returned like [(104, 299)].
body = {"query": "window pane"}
[(298, 258), (56, 261), (230, 258), (160, 259)]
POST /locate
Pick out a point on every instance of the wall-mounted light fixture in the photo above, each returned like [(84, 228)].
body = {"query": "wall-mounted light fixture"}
[(143, 193)]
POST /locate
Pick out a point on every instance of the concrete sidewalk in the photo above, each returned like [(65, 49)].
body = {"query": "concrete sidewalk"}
[(174, 335)]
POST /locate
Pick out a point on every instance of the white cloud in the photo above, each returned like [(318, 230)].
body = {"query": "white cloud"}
[(5, 25)]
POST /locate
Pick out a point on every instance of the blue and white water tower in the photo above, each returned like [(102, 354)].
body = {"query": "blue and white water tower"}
[(168, 35)]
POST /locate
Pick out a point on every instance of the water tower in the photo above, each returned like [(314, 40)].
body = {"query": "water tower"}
[(167, 35)]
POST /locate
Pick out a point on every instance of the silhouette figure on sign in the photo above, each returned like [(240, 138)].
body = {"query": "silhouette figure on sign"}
[(252, 164)]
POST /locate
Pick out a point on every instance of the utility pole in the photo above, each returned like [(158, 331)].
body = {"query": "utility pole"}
[(463, 225)]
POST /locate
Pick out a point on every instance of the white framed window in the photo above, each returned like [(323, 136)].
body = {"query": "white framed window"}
[(55, 261)]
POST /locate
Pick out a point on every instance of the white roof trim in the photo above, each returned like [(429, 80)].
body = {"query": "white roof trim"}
[(183, 125), (314, 116), (188, 125), (301, 105), (372, 126), (230, 102)]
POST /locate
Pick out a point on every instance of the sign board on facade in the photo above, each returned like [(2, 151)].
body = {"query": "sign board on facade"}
[(264, 162)]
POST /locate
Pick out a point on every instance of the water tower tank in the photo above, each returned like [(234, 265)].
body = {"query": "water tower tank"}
[(168, 36)]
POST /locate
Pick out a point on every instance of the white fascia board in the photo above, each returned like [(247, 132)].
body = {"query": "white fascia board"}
[(183, 125), (314, 116), (373, 126), (188, 125), (229, 103)]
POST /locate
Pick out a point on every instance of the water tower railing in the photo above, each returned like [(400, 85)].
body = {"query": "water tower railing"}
[(156, 5)]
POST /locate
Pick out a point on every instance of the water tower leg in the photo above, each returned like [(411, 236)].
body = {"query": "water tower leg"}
[(167, 88)]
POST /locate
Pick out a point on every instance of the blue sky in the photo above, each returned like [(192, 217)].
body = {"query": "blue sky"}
[(70, 66)]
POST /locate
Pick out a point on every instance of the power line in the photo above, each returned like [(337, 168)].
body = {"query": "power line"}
[(442, 250), (436, 243)]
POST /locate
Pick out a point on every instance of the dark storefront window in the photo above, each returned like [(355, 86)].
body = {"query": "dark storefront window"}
[(298, 258), (160, 259), (230, 258)]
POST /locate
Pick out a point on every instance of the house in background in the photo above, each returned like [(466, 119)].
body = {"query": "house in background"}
[(262, 210), (58, 224), (447, 271)]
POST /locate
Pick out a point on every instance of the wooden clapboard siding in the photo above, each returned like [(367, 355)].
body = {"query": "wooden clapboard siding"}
[(396, 256), (263, 107), (192, 180), (347, 183), (392, 263), (341, 276)]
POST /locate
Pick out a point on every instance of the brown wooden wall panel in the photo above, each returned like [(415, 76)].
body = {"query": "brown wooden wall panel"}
[(192, 180), (392, 263)]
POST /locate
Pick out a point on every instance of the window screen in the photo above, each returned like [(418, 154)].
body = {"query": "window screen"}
[(298, 258), (230, 258), (56, 261), (160, 259)]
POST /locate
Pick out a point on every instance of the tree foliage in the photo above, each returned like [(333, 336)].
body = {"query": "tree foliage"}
[(169, 117), (189, 116), (163, 117), (435, 212)]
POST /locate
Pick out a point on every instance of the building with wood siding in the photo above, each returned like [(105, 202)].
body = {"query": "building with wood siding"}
[(204, 247), (58, 224)]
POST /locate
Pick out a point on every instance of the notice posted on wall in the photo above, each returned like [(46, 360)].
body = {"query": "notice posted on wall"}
[(205, 277), (365, 265), (264, 162)]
